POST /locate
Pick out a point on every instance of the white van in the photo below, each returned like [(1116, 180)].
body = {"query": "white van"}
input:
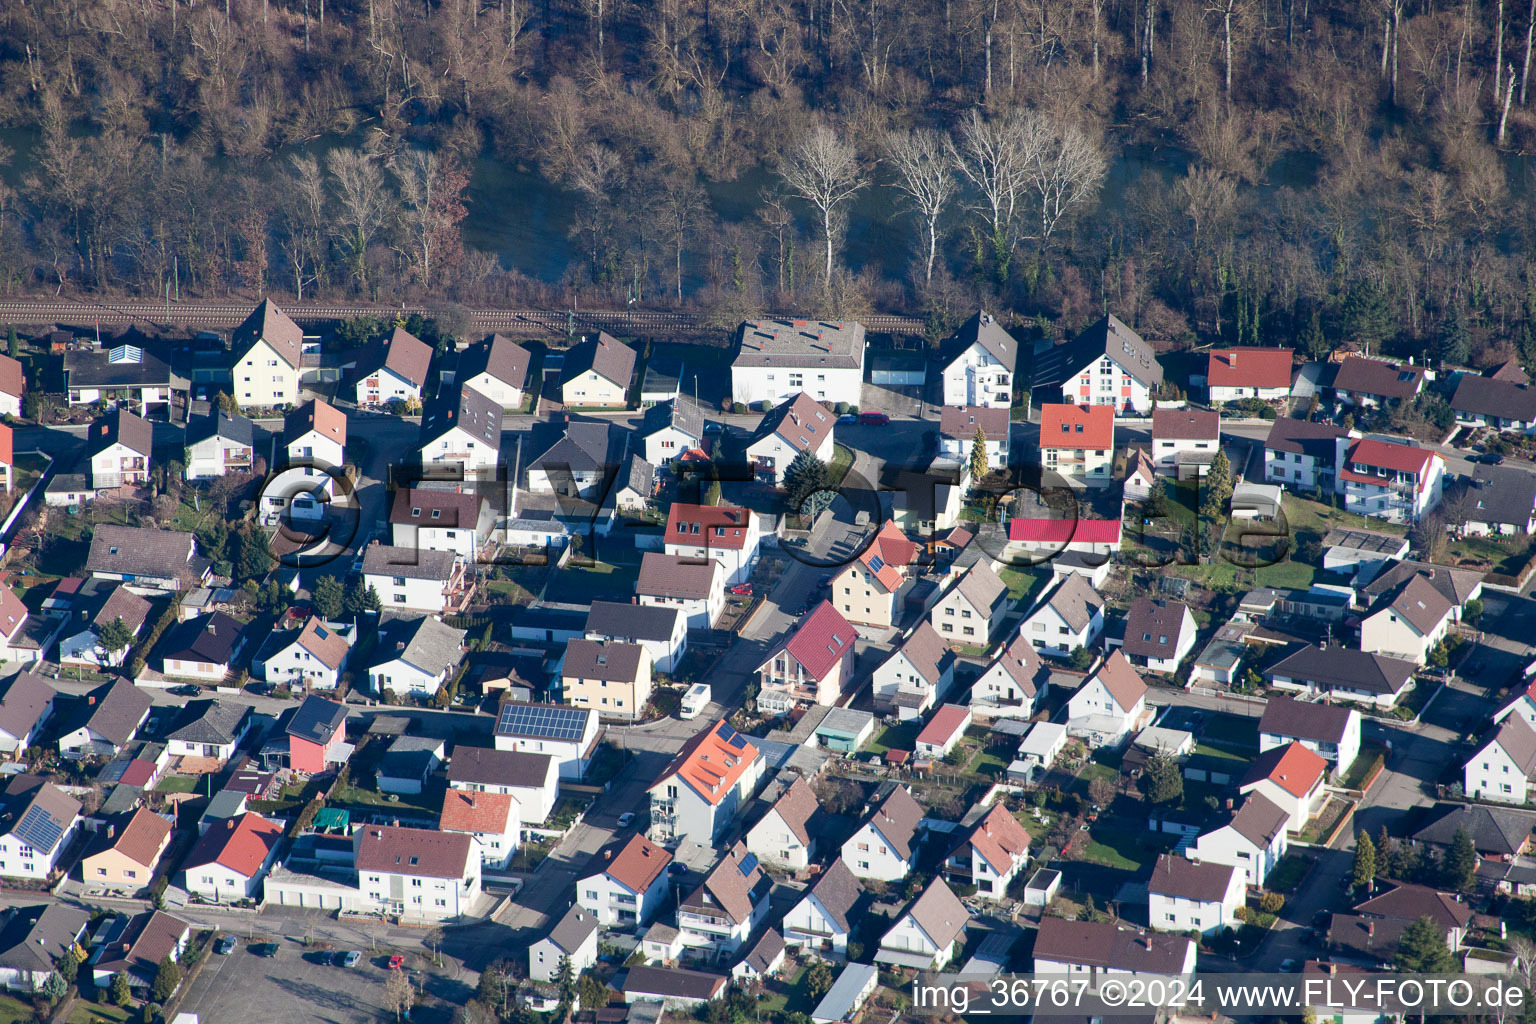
[(694, 701)]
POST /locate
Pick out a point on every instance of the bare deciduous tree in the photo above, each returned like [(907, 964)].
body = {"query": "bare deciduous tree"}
[(1066, 173), (824, 171), (997, 156), (360, 199), (926, 175)]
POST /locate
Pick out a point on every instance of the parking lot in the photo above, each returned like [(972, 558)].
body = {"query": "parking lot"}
[(294, 985)]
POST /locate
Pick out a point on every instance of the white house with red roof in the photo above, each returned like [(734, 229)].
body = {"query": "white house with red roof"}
[(1233, 374), (1045, 538), (1107, 707), (705, 787), (1391, 481), (865, 591), (795, 426), (1293, 778), (626, 883), (232, 857), (1078, 442), (13, 621), (945, 729), (723, 533), (812, 665), (990, 854), (1184, 895), (494, 819)]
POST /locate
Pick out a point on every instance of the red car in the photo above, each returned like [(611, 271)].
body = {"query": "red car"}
[(396, 962), (742, 589), (874, 419)]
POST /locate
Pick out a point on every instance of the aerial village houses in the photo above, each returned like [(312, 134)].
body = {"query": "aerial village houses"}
[(1503, 769), (1232, 374), (26, 706), (661, 631), (12, 386), (979, 361), (120, 446), (884, 848), (573, 939), (670, 430), (124, 854), (270, 349), (694, 587), (411, 579), (783, 837), (1013, 684), (39, 827), (394, 371), (148, 559), (597, 374), (1254, 841), (111, 717), (926, 933), (823, 918), (414, 654), (1328, 730), (1293, 778), (441, 518), (496, 368), (417, 874), (1391, 481), (203, 648), (610, 677), (1344, 673), (310, 657), (971, 610), (1078, 442), (1185, 441), (990, 855), (1407, 622), (1108, 364), (570, 735), (916, 674), (1500, 501), (813, 664), (943, 730), (958, 426), (629, 885), (1304, 455), (705, 787), (728, 907), (1482, 401), (219, 444), (231, 859), (1159, 635), (723, 533), (1185, 895), (1109, 704), (493, 820), (33, 939), (581, 462), (209, 731), (865, 592), (1365, 381), (314, 444), (795, 426), (317, 736), (95, 605), (1069, 616), (534, 779), (778, 358), (461, 436)]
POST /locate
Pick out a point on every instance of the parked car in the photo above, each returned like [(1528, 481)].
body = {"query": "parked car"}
[(396, 962), (874, 419), (742, 589), (186, 690), (847, 417), (264, 949), (626, 819), (351, 958), (712, 427), (226, 945)]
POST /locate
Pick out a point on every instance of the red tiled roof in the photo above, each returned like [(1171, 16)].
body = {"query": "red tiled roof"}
[(1293, 768), (12, 379), (945, 723), (7, 447), (999, 838), (1063, 531), (1077, 426), (141, 840), (719, 526), (820, 642), (1250, 367), (638, 864), (475, 812), (1385, 455), (240, 844), (712, 762)]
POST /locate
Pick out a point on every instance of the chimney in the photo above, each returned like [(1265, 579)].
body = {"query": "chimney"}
[(1232, 358), (90, 702)]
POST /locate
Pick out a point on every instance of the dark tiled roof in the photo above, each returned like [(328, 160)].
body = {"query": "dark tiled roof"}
[(602, 659), (490, 767), (838, 891), (1109, 944), (209, 639), (981, 327), (1489, 396), (1495, 831), (673, 982), (118, 709), (26, 698), (1411, 902), (498, 356), (34, 938), (467, 409), (1183, 878), (271, 324), (1303, 437), (139, 551), (1286, 716), (1346, 668), (631, 622), (1112, 337), (1153, 628), (676, 577), (210, 721), (220, 424), (122, 427), (1378, 377), (1502, 494), (681, 413), (604, 355), (317, 719), (412, 851)]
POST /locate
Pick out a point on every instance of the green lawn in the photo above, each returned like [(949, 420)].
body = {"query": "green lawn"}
[(1119, 843), (1206, 750), (895, 737), (83, 1013), (14, 1011), (987, 763), (1022, 583), (1289, 873), (177, 784), (1302, 514), (1365, 762), (842, 462)]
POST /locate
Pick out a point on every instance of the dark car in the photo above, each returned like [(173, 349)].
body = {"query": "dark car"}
[(186, 690), (264, 949), (847, 417), (874, 419), (225, 946), (1490, 459)]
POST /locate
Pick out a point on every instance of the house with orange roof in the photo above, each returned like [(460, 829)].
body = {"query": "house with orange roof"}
[(231, 859), (1232, 374), (865, 591), (705, 787), (123, 855), (811, 665), (1293, 778), (722, 533), (1395, 482), (990, 854), (1078, 442), (494, 819), (626, 883)]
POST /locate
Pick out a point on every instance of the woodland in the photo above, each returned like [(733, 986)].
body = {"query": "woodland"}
[(1300, 172)]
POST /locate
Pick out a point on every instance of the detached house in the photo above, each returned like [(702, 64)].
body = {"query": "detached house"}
[(945, 729), (1254, 841), (813, 664), (705, 787), (1108, 364), (916, 674), (597, 374), (26, 706), (722, 913), (314, 450), (317, 735), (147, 558), (1407, 622), (1185, 441), (1109, 703), (203, 648), (1093, 950), (1078, 442), (439, 518), (94, 606), (989, 856), (13, 386), (109, 718), (1070, 615), (958, 426), (209, 730), (123, 375), (1482, 401), (1390, 481), (1345, 673), (34, 939), (1303, 455), (394, 372), (794, 426), (610, 677), (136, 947), (496, 368), (414, 654), (309, 658), (979, 362), (1158, 634), (569, 735), (218, 444), (1502, 500), (670, 429), (1505, 766), (416, 580), (925, 934), (778, 358), (1012, 685), (581, 463), (1372, 932), (461, 436), (417, 874), (119, 449), (573, 939), (534, 779), (971, 610), (885, 846), (783, 838), (1364, 381), (269, 351), (40, 825), (1293, 778), (1192, 896), (865, 591), (124, 854), (823, 919), (628, 885), (723, 533), (694, 587), (1232, 374), (662, 631), (1328, 730), (494, 820)]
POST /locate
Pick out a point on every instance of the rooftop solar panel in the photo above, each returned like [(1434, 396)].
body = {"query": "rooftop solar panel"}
[(542, 721), (38, 829), (738, 741), (748, 865), (876, 563)]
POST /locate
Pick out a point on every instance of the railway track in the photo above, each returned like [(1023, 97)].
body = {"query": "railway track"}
[(513, 321)]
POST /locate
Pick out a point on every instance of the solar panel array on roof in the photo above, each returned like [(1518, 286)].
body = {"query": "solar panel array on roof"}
[(38, 829), (748, 865), (542, 721), (738, 741), (876, 563)]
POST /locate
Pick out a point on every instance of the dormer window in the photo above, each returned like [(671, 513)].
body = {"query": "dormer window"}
[(437, 513)]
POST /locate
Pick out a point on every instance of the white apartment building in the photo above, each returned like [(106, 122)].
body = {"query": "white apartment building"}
[(780, 358), (979, 363)]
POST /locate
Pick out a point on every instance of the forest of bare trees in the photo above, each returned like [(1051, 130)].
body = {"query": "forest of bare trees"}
[(1259, 171)]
